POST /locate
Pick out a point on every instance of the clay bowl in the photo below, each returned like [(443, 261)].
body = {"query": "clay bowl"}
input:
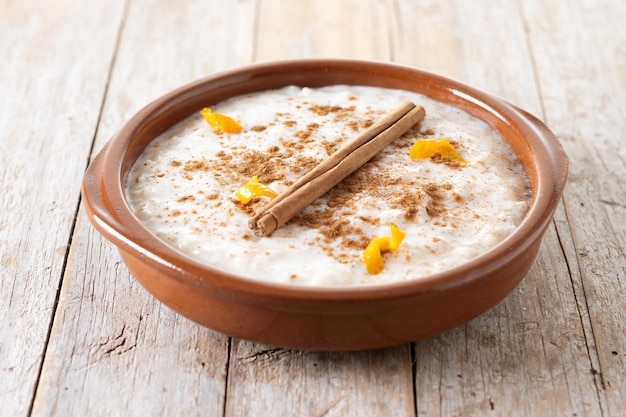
[(346, 318)]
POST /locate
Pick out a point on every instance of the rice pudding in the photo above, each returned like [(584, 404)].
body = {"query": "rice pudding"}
[(183, 186)]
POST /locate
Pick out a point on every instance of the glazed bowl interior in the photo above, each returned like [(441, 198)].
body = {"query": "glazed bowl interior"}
[(326, 318)]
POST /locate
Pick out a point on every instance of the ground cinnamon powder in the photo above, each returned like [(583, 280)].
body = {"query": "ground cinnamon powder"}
[(333, 216)]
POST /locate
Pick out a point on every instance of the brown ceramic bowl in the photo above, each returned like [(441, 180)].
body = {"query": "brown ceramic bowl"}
[(345, 318)]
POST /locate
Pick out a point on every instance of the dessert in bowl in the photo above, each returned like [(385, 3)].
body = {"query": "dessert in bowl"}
[(135, 196)]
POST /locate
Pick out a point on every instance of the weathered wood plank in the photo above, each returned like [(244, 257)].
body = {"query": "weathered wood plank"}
[(279, 382), (580, 53), (52, 83), (529, 355), (115, 350), (480, 43), (167, 45), (526, 357), (323, 28)]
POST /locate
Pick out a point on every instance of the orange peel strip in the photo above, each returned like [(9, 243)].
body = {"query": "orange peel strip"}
[(253, 189), (425, 148), (372, 255), (219, 122)]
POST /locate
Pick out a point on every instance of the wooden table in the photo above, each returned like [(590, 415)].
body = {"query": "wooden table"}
[(80, 337)]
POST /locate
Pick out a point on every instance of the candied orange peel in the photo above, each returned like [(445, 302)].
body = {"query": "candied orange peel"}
[(253, 189), (425, 148), (220, 122), (372, 255)]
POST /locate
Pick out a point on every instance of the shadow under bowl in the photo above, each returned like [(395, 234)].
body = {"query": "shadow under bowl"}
[(328, 318)]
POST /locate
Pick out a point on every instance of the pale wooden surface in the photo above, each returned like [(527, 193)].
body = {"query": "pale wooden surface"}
[(79, 336)]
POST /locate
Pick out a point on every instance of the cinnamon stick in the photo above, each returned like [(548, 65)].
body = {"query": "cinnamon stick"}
[(335, 168)]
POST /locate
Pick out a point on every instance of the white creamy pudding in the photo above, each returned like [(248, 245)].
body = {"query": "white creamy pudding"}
[(183, 186)]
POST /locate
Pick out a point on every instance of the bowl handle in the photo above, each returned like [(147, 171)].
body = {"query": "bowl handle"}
[(558, 160), (99, 207)]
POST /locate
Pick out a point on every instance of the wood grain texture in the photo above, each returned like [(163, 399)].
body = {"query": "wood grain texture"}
[(528, 356), (114, 350), (280, 382), (52, 84), (323, 28), (164, 46), (582, 75)]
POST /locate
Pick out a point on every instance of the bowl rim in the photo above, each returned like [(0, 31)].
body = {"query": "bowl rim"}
[(105, 199)]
